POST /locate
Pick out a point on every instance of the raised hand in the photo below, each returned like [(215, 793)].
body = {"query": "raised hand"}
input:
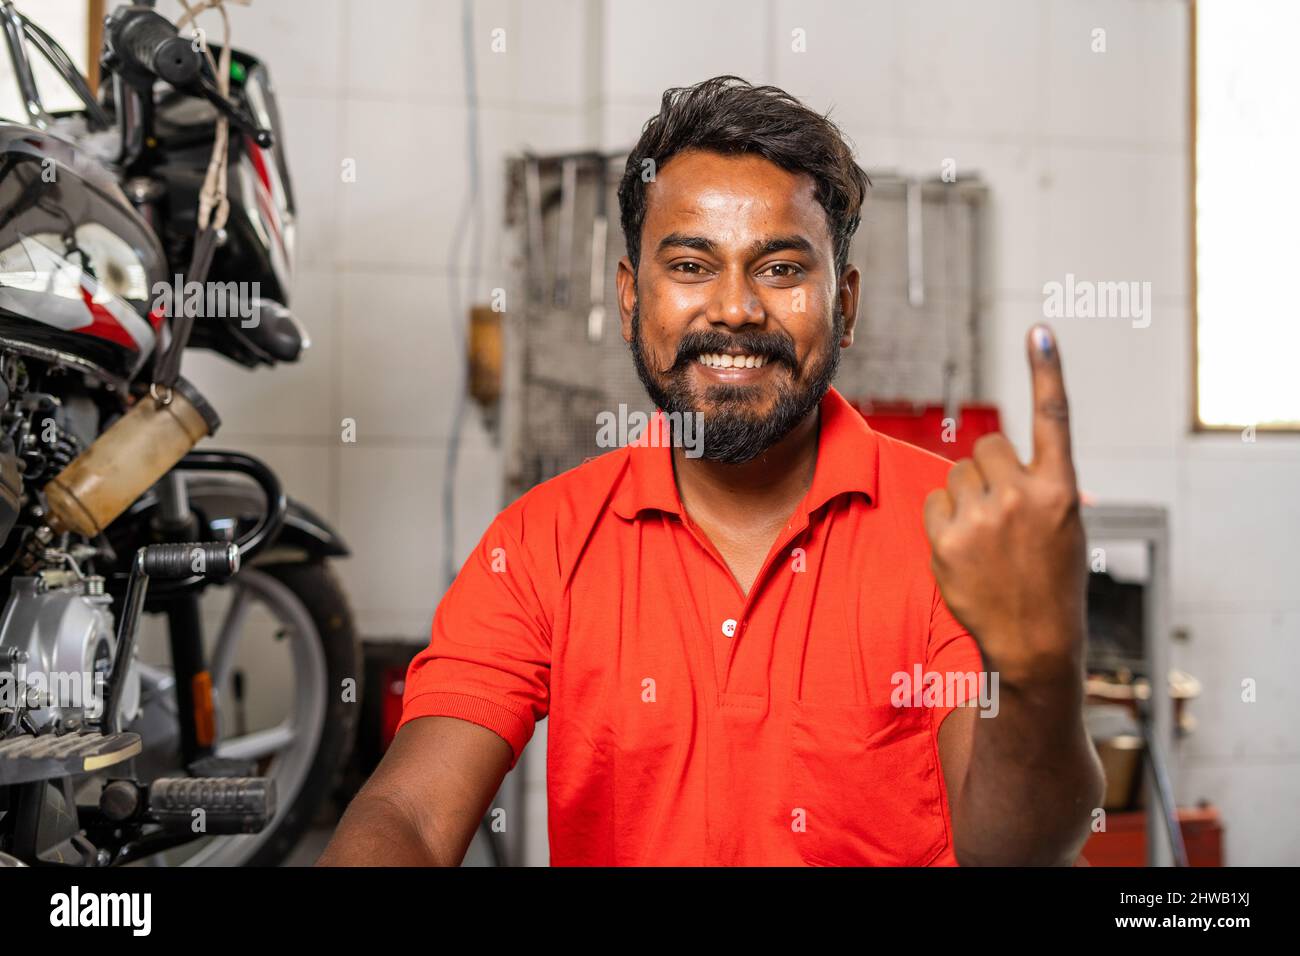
[(1008, 544)]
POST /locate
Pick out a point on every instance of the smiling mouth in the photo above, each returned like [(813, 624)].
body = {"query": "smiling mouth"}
[(722, 361)]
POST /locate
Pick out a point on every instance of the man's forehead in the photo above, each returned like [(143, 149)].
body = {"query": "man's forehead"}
[(709, 187)]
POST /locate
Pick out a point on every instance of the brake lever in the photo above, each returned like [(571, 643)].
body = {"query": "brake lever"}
[(237, 117)]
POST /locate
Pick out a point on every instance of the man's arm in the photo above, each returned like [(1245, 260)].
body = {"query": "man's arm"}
[(1008, 555), (426, 798), (1036, 781)]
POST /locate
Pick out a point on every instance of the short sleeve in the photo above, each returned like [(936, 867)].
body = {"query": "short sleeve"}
[(953, 654), (488, 659)]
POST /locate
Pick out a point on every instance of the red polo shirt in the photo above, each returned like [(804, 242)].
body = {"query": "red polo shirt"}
[(690, 724)]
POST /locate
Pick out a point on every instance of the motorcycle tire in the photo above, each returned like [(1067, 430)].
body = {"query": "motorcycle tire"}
[(316, 585)]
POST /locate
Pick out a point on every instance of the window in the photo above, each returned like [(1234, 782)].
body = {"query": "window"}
[(1246, 141)]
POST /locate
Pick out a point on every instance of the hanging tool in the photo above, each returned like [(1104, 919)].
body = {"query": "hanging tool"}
[(564, 254), (535, 250), (599, 229), (915, 238), (951, 403)]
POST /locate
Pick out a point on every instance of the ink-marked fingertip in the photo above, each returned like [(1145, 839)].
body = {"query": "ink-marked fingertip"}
[(1044, 342)]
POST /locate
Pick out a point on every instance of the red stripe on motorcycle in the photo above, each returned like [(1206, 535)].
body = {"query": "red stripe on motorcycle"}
[(103, 325)]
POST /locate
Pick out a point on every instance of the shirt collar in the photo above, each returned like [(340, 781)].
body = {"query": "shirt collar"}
[(847, 461)]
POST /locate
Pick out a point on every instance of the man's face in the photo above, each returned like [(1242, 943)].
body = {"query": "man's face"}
[(735, 311)]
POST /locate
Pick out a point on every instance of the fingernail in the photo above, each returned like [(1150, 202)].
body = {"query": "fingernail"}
[(1043, 340)]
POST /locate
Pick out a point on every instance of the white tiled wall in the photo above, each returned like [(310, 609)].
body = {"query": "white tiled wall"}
[(1087, 158), (66, 21)]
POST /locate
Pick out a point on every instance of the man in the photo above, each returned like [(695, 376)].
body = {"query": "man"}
[(726, 644)]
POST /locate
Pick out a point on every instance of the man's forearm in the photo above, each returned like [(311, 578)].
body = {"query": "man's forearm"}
[(1009, 555), (1033, 780), (377, 831)]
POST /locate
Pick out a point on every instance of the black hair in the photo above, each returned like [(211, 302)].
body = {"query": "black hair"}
[(729, 115)]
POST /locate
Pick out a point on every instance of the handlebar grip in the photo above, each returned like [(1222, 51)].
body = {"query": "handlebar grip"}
[(210, 559), (150, 42)]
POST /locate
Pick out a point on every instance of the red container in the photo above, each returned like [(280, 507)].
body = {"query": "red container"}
[(393, 685), (929, 427), (1124, 841)]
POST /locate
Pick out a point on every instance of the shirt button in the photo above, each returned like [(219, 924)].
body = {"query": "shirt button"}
[(729, 627)]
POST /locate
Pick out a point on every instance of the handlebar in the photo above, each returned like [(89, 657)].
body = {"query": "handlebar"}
[(141, 46), (144, 43)]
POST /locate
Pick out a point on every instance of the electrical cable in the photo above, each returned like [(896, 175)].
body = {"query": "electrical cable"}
[(468, 225)]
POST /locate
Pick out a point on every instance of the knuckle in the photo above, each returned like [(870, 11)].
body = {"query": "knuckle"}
[(984, 518), (1060, 497), (1010, 498), (945, 545), (938, 547), (989, 442), (956, 538), (1054, 408)]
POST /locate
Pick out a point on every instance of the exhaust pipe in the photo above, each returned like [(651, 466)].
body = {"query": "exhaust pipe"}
[(127, 459)]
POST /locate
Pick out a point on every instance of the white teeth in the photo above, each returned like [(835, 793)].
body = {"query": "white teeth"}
[(714, 360)]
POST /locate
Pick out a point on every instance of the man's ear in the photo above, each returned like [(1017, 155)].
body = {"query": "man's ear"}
[(625, 280), (849, 287)]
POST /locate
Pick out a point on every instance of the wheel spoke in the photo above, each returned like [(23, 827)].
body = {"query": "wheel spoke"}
[(291, 745), (259, 744), (223, 652)]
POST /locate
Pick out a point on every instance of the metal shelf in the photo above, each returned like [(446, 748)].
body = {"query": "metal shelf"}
[(1149, 525)]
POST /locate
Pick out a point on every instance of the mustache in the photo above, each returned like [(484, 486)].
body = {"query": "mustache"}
[(773, 347)]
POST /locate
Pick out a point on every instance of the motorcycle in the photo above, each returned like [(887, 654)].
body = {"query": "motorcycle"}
[(132, 229)]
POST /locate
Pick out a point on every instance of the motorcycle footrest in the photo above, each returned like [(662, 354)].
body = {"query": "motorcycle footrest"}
[(25, 758), (213, 805)]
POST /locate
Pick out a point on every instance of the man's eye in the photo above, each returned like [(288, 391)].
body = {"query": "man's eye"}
[(783, 270), (691, 268)]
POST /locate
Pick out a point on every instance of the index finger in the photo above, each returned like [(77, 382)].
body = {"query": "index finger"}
[(1052, 454)]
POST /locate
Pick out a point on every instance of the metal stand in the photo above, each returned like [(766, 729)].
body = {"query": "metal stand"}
[(1149, 525)]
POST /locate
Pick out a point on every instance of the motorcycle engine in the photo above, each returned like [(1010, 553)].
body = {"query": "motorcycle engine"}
[(57, 636), (56, 653)]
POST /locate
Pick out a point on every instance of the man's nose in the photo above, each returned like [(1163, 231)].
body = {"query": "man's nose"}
[(735, 302)]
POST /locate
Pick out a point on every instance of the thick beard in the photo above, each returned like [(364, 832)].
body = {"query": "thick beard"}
[(732, 434)]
